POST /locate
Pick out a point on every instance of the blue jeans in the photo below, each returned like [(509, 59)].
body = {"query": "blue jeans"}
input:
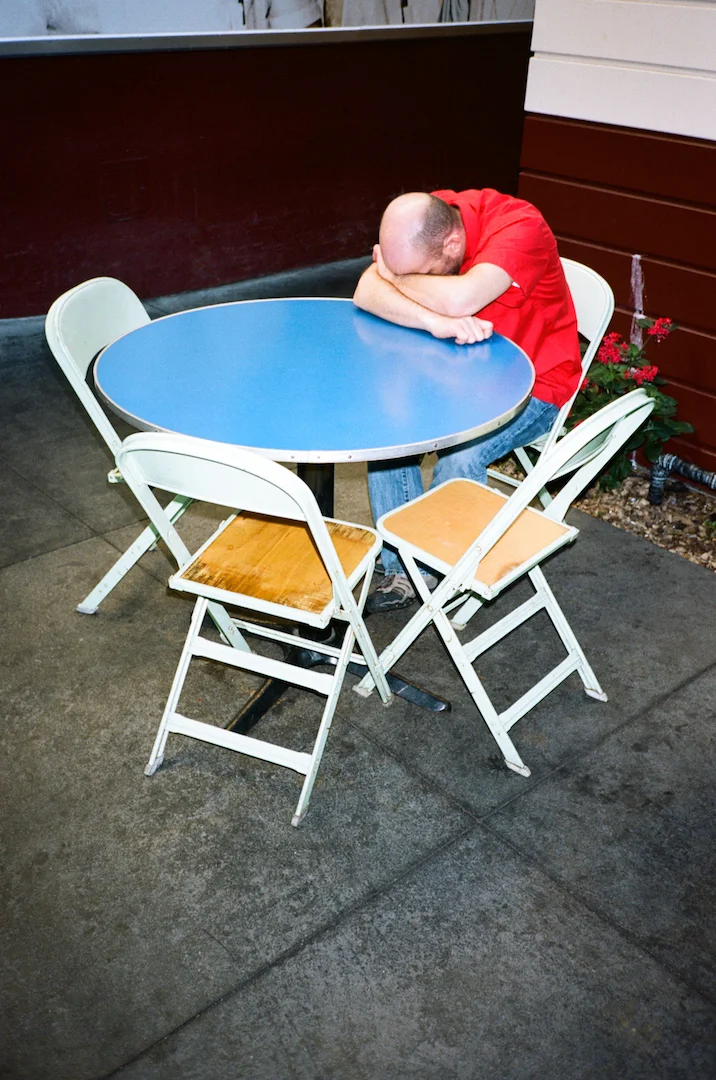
[(392, 483)]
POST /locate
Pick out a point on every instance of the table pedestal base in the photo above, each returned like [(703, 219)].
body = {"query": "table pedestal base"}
[(320, 479), (273, 690)]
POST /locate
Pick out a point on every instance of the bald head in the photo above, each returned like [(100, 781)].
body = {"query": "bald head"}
[(421, 234)]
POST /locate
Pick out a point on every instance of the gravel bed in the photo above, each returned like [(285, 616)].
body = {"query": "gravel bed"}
[(684, 523)]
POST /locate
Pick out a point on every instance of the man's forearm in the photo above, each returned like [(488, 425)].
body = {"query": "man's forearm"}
[(453, 295), (379, 297), (448, 295)]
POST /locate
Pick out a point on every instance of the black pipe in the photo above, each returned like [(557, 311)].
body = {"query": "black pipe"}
[(668, 463)]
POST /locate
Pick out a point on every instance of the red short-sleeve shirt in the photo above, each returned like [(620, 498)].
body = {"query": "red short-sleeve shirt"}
[(537, 310)]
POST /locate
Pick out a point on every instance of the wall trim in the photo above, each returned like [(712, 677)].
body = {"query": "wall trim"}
[(62, 45)]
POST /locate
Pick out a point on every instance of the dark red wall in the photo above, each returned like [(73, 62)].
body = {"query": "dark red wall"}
[(611, 192), (179, 170)]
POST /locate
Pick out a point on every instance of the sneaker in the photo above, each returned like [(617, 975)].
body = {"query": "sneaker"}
[(395, 592)]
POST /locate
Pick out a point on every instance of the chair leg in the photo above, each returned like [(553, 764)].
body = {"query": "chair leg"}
[(584, 668), (122, 566), (355, 631), (146, 540), (466, 611), (325, 725), (525, 461), (412, 629), (230, 633), (399, 645), (479, 695), (365, 644), (157, 755)]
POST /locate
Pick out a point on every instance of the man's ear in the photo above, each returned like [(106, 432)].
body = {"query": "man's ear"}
[(452, 244)]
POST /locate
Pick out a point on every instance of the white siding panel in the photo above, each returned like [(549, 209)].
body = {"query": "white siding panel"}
[(656, 100), (651, 32)]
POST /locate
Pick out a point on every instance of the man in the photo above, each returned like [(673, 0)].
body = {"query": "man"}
[(459, 264)]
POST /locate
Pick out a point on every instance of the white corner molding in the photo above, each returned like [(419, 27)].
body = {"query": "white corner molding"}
[(637, 63), (679, 103), (654, 33)]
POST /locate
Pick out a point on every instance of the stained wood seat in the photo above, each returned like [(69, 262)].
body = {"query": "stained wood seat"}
[(274, 561), (450, 519)]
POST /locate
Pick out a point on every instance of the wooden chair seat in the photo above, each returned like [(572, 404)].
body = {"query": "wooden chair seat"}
[(276, 560), (450, 518)]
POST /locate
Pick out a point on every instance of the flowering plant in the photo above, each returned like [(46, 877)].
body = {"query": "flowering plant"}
[(621, 366)]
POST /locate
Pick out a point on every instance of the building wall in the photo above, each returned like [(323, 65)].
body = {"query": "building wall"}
[(616, 92), (41, 18), (177, 170), (37, 18)]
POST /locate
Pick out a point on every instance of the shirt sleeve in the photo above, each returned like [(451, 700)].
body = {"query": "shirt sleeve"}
[(520, 245)]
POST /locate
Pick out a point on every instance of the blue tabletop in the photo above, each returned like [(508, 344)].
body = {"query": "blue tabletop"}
[(311, 380)]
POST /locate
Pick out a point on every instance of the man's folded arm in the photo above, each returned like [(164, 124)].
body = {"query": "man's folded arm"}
[(452, 294), (377, 296)]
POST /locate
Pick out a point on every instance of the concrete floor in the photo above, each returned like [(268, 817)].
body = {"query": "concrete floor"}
[(435, 917)]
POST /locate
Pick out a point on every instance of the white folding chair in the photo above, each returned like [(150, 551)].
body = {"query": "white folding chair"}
[(482, 541), (594, 304), (78, 325), (279, 558)]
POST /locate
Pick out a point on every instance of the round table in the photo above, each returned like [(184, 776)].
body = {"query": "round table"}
[(311, 381)]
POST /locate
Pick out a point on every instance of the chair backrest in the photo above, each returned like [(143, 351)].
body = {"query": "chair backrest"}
[(593, 300), (80, 323), (594, 304), (598, 438), (227, 476), (609, 428)]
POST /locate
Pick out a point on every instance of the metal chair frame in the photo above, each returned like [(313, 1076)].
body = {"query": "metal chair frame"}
[(79, 324), (228, 475), (611, 426)]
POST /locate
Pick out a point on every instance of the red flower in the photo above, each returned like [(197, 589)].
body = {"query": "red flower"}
[(661, 329), (609, 352), (644, 375), (585, 384)]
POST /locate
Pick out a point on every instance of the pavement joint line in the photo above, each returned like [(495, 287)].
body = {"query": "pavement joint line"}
[(64, 547), (483, 821), (478, 817), (51, 497), (564, 886), (95, 535), (455, 801), (374, 894), (598, 743), (603, 916), (428, 781)]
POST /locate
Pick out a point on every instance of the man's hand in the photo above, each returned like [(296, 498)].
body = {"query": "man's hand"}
[(466, 330), (382, 269)]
